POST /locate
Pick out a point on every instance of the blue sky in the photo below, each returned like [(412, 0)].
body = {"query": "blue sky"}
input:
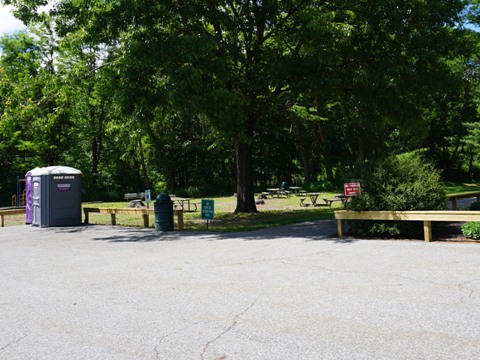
[(8, 24)]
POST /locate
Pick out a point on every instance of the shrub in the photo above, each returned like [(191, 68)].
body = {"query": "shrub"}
[(475, 206), (160, 187), (471, 229), (398, 183)]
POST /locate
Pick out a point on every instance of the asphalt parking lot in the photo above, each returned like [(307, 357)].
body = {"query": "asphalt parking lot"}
[(294, 292)]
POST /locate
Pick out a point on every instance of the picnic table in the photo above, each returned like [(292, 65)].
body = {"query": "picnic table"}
[(313, 198), (185, 204), (274, 191), (295, 189)]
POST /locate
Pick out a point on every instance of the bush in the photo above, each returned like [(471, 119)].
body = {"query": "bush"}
[(398, 183), (475, 206), (471, 229)]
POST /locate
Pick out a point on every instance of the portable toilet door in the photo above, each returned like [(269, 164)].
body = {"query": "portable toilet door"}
[(36, 199), (29, 195)]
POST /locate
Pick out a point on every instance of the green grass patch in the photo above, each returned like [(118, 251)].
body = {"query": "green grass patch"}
[(459, 187), (275, 212), (230, 222)]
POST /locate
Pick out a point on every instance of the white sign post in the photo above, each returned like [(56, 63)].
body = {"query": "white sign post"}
[(148, 197)]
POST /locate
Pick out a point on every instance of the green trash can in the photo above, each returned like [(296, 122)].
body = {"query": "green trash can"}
[(163, 206)]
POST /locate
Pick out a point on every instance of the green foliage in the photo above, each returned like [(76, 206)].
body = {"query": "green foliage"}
[(136, 93), (160, 187), (471, 229), (475, 205), (398, 183)]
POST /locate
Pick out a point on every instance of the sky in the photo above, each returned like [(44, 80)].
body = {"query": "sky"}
[(8, 24)]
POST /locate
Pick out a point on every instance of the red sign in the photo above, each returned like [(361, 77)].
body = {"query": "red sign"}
[(351, 189)]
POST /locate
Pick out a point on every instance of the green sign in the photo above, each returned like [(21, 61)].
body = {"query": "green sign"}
[(207, 209)]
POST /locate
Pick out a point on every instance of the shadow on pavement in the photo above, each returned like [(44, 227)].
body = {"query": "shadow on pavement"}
[(322, 230)]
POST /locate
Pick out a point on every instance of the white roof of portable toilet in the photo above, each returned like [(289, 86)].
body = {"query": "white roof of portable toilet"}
[(55, 170), (34, 171)]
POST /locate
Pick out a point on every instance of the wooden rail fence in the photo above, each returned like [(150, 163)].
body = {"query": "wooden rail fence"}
[(132, 211), (466, 195), (426, 216), (4, 213)]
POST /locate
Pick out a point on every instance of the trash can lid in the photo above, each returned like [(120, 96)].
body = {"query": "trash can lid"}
[(163, 197)]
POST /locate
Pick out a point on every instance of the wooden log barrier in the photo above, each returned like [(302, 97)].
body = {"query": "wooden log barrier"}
[(9, 212), (466, 195), (145, 213), (426, 216)]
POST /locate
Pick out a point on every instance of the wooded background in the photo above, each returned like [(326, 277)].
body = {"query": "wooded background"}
[(219, 97)]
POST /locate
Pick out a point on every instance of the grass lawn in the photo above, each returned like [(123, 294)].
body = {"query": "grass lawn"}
[(275, 212), (460, 187)]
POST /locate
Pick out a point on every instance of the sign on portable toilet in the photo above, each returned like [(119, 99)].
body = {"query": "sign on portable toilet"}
[(56, 197)]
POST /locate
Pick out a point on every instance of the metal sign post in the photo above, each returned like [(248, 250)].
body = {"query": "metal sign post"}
[(148, 197), (208, 210)]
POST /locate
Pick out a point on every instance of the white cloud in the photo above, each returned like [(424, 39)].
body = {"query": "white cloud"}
[(8, 23)]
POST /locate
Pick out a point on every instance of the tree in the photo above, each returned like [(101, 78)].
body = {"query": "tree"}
[(357, 71)]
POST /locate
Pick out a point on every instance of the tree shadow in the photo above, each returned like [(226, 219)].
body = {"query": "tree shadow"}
[(321, 230)]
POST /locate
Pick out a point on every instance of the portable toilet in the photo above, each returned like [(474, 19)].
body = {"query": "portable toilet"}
[(56, 196), (29, 194)]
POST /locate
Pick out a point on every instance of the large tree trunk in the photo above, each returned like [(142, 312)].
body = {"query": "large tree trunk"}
[(245, 193)]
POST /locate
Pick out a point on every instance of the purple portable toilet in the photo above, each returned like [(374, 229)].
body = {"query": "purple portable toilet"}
[(28, 195)]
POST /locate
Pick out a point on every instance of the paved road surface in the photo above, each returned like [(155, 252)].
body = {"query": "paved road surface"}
[(295, 292)]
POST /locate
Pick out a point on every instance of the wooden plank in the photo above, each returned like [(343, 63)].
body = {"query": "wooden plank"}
[(430, 215), (426, 216), (133, 211), (8, 212), (12, 212), (465, 195)]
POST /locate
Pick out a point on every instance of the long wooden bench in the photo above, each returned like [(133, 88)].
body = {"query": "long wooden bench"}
[(465, 195), (426, 216), (132, 211), (134, 196), (9, 212)]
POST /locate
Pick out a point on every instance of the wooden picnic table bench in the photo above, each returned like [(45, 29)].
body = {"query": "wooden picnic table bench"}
[(134, 196), (426, 216)]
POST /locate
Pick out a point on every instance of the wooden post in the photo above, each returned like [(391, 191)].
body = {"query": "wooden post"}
[(454, 203), (3, 220), (427, 230), (113, 219), (85, 211), (339, 227), (179, 214), (145, 220)]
